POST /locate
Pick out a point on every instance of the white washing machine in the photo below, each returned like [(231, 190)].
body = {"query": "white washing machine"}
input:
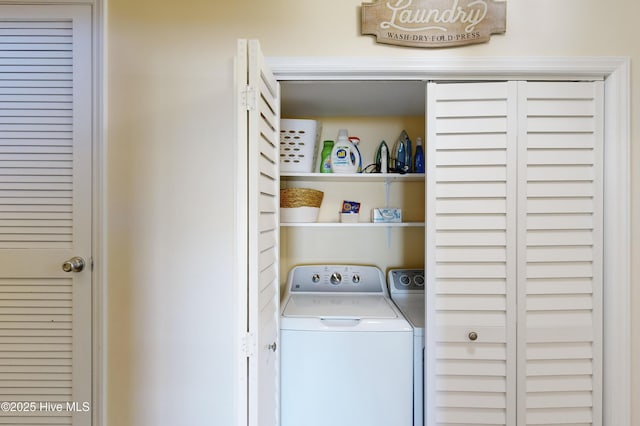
[(339, 333), (406, 287)]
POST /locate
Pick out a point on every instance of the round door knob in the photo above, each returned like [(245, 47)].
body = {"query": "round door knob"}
[(272, 347), (75, 264), (473, 336)]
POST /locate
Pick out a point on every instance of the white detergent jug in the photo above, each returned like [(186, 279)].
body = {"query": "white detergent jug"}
[(345, 158)]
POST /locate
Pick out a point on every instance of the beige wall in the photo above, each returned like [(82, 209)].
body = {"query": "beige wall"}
[(170, 194)]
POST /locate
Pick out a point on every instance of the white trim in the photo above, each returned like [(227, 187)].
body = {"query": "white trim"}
[(430, 261), (617, 248), (100, 234), (352, 68), (617, 185)]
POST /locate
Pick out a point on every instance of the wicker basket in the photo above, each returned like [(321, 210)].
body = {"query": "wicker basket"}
[(300, 205), (300, 197)]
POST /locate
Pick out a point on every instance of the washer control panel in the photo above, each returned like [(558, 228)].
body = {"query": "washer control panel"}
[(336, 279), (406, 280)]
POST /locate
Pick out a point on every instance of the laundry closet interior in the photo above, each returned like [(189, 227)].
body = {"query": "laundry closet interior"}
[(507, 223), (374, 111)]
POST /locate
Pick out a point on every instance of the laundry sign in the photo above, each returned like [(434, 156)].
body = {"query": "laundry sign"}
[(433, 23)]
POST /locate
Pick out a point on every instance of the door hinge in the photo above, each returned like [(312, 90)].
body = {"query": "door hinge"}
[(248, 345), (249, 100)]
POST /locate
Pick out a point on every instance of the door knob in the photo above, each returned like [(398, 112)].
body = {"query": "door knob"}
[(272, 347), (75, 264), (473, 336)]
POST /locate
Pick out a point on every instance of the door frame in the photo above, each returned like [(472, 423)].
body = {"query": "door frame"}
[(615, 71)]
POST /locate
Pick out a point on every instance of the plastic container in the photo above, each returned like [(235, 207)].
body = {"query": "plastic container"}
[(345, 158), (298, 140), (325, 160)]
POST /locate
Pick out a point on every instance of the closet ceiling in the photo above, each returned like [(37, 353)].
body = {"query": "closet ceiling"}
[(355, 98)]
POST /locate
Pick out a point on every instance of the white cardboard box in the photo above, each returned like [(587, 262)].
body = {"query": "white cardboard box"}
[(386, 215)]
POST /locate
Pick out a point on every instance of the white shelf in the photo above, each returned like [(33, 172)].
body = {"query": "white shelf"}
[(354, 177), (352, 225)]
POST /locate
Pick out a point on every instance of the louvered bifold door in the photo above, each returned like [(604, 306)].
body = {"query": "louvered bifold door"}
[(263, 106), (470, 244), (45, 214), (560, 253)]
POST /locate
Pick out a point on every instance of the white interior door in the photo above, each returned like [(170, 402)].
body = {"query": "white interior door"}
[(471, 240), (560, 220), (258, 128), (45, 214)]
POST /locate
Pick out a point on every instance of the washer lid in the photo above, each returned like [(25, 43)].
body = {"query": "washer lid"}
[(339, 307)]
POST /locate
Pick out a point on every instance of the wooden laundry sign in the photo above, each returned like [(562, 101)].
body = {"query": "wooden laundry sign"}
[(433, 23)]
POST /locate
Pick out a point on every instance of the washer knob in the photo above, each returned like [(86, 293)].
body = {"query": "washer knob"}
[(315, 278), (355, 278), (335, 278)]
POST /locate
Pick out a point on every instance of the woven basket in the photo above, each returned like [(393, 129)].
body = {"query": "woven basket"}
[(300, 197)]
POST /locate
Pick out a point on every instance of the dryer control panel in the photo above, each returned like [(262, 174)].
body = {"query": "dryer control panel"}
[(336, 279), (406, 280)]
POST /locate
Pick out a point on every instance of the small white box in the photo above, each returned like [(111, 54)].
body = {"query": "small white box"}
[(386, 215), (349, 217)]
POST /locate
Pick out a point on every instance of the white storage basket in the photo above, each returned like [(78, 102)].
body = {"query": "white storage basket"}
[(298, 142)]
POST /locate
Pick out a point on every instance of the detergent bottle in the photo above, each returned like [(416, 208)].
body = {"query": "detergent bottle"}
[(345, 158), (325, 161)]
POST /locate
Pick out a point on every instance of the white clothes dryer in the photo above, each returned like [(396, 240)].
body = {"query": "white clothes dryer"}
[(406, 287), (339, 332)]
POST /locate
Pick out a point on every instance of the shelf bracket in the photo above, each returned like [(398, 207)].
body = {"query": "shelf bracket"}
[(387, 185), (388, 237)]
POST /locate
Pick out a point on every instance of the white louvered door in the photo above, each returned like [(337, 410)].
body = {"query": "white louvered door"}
[(261, 104), (471, 240), (560, 253), (45, 214), (514, 253)]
